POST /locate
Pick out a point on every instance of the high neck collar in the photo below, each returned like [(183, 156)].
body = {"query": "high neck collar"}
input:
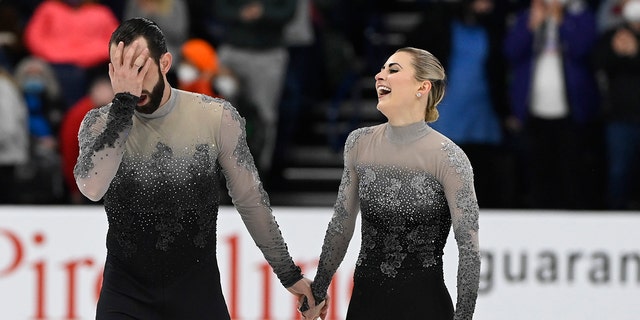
[(164, 109), (408, 133)]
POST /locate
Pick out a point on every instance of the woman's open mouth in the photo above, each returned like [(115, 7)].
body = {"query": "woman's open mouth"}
[(382, 91)]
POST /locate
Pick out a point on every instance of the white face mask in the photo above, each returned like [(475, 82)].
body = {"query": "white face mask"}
[(187, 73), (631, 11), (226, 86)]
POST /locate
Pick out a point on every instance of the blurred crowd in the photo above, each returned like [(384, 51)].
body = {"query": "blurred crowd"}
[(542, 95)]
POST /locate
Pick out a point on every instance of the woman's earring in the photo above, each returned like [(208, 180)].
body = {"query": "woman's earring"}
[(418, 94)]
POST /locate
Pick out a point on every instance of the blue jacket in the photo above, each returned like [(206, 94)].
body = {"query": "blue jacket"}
[(578, 36)]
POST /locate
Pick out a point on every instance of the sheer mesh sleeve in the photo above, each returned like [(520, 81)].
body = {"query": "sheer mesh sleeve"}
[(342, 224), (249, 196), (457, 180), (102, 137)]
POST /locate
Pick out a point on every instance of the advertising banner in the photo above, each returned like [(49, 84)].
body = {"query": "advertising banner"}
[(535, 264)]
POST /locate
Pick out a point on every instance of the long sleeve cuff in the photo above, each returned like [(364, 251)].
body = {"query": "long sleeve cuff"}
[(291, 277)]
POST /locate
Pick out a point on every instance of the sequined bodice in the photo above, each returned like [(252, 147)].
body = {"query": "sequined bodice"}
[(405, 220), (160, 175), (162, 209)]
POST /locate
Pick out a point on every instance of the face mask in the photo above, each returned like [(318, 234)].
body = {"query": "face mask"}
[(631, 11), (33, 85), (187, 73), (226, 86), (558, 1)]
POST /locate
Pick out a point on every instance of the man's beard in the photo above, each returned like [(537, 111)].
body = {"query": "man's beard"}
[(155, 97)]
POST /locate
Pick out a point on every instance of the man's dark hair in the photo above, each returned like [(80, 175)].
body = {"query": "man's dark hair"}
[(132, 29)]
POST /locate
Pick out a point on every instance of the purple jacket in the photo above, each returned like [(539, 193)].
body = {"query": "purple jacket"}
[(578, 36)]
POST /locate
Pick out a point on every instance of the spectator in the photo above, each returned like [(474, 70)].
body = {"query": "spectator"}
[(198, 67), (100, 93), (619, 60), (41, 178), (554, 98), (70, 35), (14, 135), (468, 35), (41, 92), (254, 49)]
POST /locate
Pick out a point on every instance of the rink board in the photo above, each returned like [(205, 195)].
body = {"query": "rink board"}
[(535, 264)]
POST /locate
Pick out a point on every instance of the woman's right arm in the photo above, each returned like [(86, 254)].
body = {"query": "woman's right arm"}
[(342, 224), (102, 137)]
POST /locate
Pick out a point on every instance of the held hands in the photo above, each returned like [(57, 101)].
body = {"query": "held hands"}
[(302, 290), (128, 67), (319, 310)]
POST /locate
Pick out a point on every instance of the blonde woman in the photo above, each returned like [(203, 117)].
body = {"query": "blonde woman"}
[(411, 184)]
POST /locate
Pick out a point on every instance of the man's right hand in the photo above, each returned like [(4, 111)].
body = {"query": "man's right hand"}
[(128, 68)]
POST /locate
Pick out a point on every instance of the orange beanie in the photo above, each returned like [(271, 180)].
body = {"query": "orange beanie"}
[(201, 54)]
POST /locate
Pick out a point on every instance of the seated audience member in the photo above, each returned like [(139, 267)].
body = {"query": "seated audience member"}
[(200, 71), (70, 35), (198, 67), (41, 91)]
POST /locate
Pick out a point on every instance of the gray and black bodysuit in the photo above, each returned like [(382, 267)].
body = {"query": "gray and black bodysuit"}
[(411, 184), (159, 175)]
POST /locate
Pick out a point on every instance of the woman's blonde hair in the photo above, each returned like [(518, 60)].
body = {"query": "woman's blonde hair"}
[(428, 68)]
